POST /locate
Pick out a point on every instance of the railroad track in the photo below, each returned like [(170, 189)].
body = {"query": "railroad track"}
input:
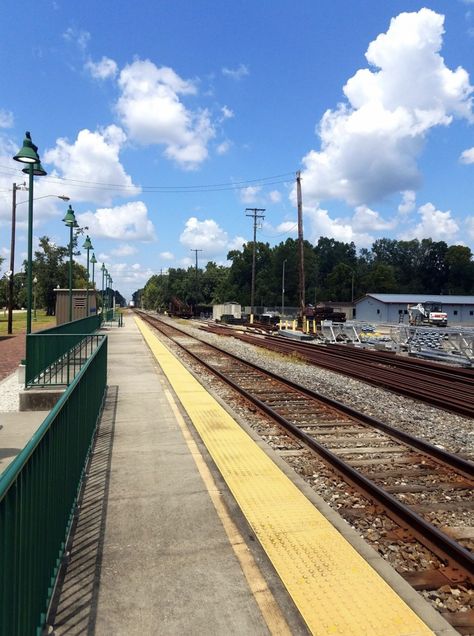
[(450, 388), (401, 476)]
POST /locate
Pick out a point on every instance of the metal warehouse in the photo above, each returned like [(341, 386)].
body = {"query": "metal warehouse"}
[(393, 308)]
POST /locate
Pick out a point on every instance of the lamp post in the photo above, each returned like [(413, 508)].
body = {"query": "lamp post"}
[(35, 280), (87, 246), (37, 172), (103, 270), (29, 155), (71, 223), (283, 288), (94, 261)]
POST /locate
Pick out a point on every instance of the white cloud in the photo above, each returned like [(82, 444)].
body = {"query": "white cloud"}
[(249, 194), (93, 159), (467, 156), (103, 69), (318, 223), (6, 119), (208, 236), (469, 221), (408, 202), (236, 73), (124, 250), (167, 256), (124, 222), (365, 219), (223, 148), (369, 145), (151, 110), (434, 224), (274, 196), (227, 113)]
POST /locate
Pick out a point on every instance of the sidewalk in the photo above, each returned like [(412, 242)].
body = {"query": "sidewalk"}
[(150, 555)]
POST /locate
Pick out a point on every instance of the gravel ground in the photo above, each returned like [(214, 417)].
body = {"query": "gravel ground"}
[(9, 394), (450, 431)]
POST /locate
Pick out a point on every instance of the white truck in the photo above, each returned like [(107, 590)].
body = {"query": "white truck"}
[(429, 314)]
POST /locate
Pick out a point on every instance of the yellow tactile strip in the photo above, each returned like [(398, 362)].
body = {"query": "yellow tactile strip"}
[(336, 591)]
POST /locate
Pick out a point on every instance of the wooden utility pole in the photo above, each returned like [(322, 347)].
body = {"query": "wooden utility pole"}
[(301, 281), (255, 215), (196, 287)]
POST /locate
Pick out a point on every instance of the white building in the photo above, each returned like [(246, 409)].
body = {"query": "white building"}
[(393, 308)]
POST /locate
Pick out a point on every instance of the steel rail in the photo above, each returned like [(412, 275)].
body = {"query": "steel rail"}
[(455, 555)]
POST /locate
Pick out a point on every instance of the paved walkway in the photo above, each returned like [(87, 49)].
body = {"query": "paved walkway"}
[(150, 554), (12, 351)]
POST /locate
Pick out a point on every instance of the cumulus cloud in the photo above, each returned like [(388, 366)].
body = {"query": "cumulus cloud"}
[(408, 202), (365, 219), (124, 250), (103, 69), (151, 110), (370, 144), (93, 159), (467, 156), (236, 73), (250, 194), (227, 113), (124, 222), (434, 224), (274, 196), (167, 256), (319, 223), (470, 226), (208, 236), (6, 118)]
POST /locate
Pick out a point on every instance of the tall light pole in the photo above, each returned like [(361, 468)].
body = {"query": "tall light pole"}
[(36, 172), (71, 223), (103, 270), (29, 155), (283, 288), (87, 246), (94, 261)]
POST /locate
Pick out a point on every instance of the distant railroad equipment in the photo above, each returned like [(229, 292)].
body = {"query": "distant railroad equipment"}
[(427, 313), (324, 313), (179, 308)]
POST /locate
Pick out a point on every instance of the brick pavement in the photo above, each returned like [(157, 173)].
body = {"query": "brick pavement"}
[(12, 350)]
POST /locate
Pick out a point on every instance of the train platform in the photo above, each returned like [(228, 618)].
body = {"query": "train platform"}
[(189, 524)]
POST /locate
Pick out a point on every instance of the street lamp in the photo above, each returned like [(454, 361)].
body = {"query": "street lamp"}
[(283, 289), (71, 223), (29, 154), (87, 246), (94, 261), (16, 187), (103, 270), (35, 280)]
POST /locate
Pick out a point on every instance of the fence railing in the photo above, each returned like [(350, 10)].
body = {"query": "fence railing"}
[(38, 495), (67, 351), (47, 348)]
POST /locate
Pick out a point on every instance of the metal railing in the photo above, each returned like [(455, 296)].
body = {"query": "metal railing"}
[(67, 351), (38, 496), (46, 349)]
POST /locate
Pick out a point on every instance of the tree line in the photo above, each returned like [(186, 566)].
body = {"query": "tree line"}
[(334, 271), (50, 266)]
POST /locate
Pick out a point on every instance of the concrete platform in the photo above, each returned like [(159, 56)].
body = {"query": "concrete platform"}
[(15, 431), (150, 554)]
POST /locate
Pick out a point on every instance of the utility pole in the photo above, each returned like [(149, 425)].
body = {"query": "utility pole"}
[(255, 215), (196, 287), (301, 284)]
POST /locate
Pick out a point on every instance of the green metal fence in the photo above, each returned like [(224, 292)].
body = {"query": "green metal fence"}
[(38, 495), (46, 350)]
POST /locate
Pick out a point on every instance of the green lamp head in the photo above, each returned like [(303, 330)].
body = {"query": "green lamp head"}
[(38, 169), (87, 244), (70, 219), (28, 153), (93, 258)]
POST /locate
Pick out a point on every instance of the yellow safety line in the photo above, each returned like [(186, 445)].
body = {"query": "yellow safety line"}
[(334, 588), (269, 608)]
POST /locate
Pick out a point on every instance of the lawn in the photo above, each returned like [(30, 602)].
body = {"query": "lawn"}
[(19, 321)]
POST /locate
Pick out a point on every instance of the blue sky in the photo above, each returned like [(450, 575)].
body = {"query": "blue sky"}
[(163, 121)]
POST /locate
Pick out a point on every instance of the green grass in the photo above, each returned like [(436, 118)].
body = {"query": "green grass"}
[(19, 322)]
